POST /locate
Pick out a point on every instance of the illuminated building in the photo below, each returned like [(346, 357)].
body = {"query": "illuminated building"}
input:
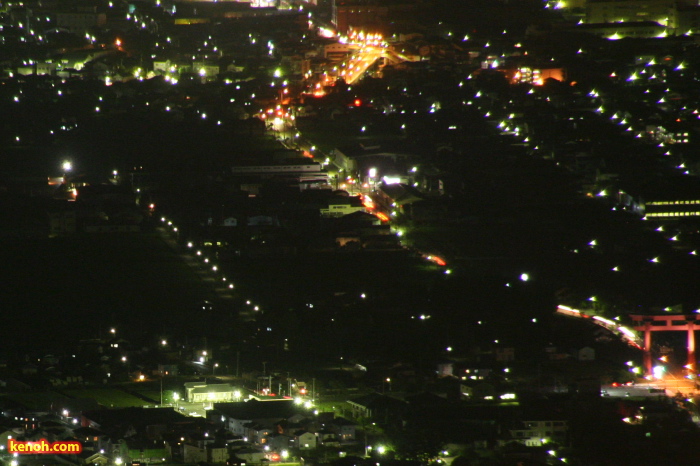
[(672, 210), (198, 392), (536, 76), (627, 11), (614, 31), (677, 17)]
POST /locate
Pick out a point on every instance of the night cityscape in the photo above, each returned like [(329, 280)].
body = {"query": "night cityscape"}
[(350, 232)]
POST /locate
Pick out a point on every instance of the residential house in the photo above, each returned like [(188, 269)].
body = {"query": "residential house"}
[(240, 417), (214, 453), (257, 433), (343, 429), (536, 433), (328, 438), (92, 439), (305, 440), (93, 458), (279, 442)]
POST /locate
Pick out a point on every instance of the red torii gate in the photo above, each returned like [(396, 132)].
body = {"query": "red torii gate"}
[(666, 323)]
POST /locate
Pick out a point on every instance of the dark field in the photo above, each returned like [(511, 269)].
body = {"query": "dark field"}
[(61, 290)]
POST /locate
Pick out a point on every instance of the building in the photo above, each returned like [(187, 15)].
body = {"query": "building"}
[(685, 19), (672, 209), (201, 392), (240, 417), (305, 440), (211, 453), (349, 14), (339, 206), (336, 51), (675, 199), (614, 31), (343, 429), (371, 15), (294, 168), (627, 11), (376, 406), (80, 22), (142, 451), (535, 433), (535, 75)]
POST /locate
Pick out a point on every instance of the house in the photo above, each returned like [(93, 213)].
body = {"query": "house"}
[(305, 440), (240, 417), (279, 442), (343, 429), (328, 438), (541, 423), (142, 451), (192, 454), (167, 369), (257, 433), (538, 432), (92, 439), (93, 458), (214, 453)]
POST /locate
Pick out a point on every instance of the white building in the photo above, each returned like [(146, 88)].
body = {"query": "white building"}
[(200, 392)]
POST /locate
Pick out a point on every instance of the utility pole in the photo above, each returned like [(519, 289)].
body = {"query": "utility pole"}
[(238, 359)]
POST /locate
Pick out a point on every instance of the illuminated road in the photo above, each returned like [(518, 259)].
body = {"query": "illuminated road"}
[(627, 335), (356, 66)]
